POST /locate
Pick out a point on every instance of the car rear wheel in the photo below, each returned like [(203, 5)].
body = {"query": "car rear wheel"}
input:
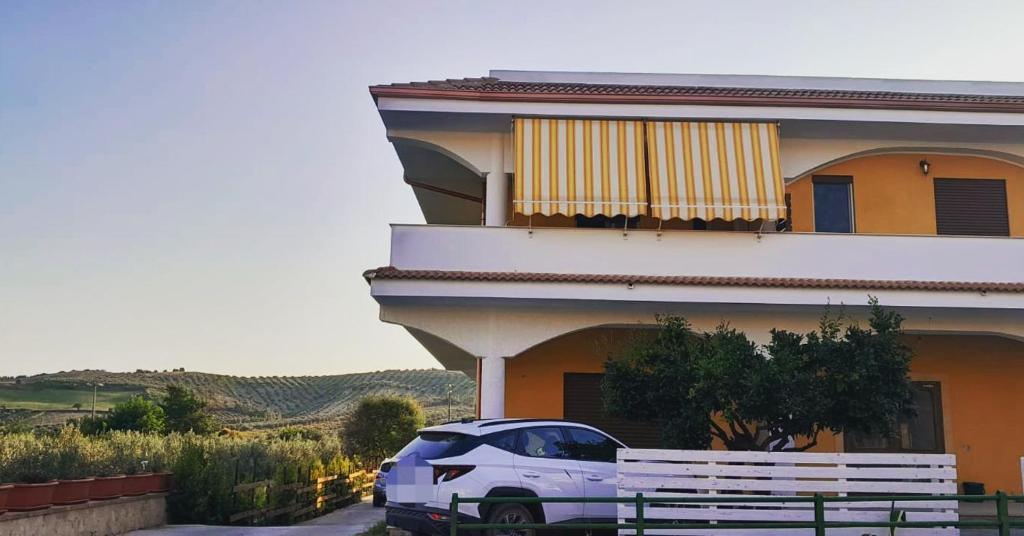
[(379, 500), (510, 514)]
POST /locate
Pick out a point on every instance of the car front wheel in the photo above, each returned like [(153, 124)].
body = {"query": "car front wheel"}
[(510, 514)]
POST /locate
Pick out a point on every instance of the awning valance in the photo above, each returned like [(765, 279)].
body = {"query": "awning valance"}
[(579, 166), (715, 170)]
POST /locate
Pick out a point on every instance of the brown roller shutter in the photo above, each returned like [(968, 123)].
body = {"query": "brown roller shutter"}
[(582, 403), (971, 207)]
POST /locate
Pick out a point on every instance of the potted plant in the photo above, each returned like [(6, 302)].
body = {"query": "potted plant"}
[(31, 472), (138, 480), (70, 453), (109, 481)]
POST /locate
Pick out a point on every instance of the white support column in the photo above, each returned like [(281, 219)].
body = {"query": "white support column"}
[(496, 208), (492, 387)]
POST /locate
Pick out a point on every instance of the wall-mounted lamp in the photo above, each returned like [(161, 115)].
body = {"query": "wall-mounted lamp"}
[(925, 166)]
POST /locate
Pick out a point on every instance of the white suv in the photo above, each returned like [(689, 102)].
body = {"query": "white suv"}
[(510, 458)]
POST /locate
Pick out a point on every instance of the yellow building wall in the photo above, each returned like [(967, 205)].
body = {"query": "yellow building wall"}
[(892, 196), (982, 382)]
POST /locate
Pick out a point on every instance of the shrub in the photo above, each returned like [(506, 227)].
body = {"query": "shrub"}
[(137, 414), (381, 425), (184, 412)]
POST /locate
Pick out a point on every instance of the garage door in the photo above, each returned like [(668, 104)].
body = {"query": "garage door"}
[(582, 403)]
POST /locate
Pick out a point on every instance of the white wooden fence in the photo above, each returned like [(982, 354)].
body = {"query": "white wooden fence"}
[(685, 473)]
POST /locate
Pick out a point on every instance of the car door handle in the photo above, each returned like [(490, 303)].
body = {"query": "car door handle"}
[(595, 478), (530, 474)]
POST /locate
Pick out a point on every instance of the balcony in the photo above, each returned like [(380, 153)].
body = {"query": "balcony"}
[(742, 267)]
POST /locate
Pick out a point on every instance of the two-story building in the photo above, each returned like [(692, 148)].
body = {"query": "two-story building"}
[(566, 210)]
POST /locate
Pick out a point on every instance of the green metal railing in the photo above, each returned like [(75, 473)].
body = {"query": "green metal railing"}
[(1003, 522)]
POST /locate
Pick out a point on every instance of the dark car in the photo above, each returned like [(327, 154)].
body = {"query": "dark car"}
[(380, 484)]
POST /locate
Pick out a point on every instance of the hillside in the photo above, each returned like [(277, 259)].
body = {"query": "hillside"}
[(238, 401)]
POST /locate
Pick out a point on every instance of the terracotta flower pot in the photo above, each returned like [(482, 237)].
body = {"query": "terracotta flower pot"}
[(5, 489), (25, 497), (137, 484), (72, 491), (106, 487), (161, 482)]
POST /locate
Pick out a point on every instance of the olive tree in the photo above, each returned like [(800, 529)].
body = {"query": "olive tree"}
[(381, 425), (842, 378)]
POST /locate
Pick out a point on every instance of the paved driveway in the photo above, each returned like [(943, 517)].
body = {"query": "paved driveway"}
[(345, 522)]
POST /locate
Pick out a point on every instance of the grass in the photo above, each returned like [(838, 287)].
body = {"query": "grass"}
[(55, 398), (380, 529)]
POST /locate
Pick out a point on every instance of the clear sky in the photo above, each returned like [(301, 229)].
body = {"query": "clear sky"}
[(201, 184)]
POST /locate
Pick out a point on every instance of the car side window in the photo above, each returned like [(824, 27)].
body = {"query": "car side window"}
[(588, 445), (503, 440), (545, 442)]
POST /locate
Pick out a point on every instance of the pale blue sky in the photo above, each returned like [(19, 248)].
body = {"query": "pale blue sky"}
[(201, 184)]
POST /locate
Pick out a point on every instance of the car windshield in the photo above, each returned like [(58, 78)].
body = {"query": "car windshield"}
[(434, 445)]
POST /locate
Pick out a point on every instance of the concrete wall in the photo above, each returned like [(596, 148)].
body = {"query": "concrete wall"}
[(94, 518)]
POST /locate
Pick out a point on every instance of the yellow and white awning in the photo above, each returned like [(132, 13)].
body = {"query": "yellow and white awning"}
[(715, 170), (581, 166)]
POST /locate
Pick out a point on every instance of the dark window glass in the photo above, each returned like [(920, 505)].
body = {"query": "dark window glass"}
[(503, 440), (921, 433), (589, 445), (601, 221), (434, 445), (833, 206), (543, 443)]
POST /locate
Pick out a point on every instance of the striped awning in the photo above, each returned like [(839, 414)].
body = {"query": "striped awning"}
[(715, 170), (581, 166)]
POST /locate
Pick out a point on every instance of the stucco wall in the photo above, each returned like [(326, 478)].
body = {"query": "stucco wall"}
[(116, 516), (980, 377), (892, 196)]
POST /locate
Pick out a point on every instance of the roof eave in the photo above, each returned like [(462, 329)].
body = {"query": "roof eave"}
[(706, 100)]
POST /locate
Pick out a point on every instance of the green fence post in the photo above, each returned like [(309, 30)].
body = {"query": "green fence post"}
[(639, 514), (454, 514), (819, 515), (1002, 513)]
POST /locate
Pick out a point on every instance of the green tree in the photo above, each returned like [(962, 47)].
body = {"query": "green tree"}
[(184, 412), (841, 378), (381, 425), (138, 414)]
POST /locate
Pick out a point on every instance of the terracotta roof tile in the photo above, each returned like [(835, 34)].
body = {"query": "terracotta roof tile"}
[(495, 89), (392, 273)]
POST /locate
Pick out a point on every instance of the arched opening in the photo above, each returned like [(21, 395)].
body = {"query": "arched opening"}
[(449, 190), (889, 192)]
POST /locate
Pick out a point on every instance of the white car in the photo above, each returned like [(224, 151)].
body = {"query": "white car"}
[(510, 458)]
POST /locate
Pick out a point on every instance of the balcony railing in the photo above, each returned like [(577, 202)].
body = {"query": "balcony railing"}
[(707, 253)]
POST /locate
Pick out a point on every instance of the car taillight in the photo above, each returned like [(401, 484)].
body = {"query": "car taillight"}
[(445, 473)]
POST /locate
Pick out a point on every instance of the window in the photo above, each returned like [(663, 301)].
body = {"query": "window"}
[(971, 207), (922, 433), (601, 221), (833, 204), (434, 445), (588, 445), (543, 443), (503, 440), (582, 403)]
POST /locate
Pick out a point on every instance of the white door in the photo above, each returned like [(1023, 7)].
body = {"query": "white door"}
[(544, 467), (596, 454)]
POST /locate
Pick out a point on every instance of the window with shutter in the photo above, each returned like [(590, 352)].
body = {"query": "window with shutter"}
[(971, 207), (582, 403)]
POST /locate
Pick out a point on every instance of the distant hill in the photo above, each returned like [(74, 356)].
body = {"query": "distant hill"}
[(238, 401)]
